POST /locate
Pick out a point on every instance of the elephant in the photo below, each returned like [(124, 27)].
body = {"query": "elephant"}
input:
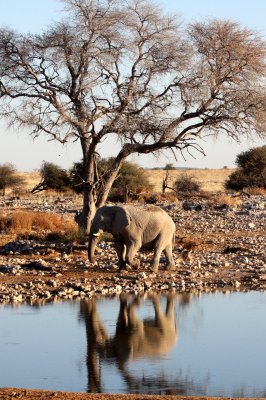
[(137, 338), (134, 228), (134, 338)]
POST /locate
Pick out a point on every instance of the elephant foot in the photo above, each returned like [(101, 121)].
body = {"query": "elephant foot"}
[(134, 265), (171, 267), (154, 268), (122, 267)]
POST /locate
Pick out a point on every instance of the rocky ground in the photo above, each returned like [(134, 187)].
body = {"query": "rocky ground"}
[(218, 247)]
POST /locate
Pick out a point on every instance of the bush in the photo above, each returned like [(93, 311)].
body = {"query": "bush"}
[(29, 221), (186, 185), (77, 177), (52, 177), (251, 170), (131, 182), (9, 178)]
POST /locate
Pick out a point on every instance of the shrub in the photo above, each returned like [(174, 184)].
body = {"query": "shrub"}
[(28, 221), (225, 200), (52, 177), (9, 178), (186, 185), (251, 170), (77, 177), (131, 182)]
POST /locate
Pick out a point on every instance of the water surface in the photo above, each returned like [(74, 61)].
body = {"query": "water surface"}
[(211, 345)]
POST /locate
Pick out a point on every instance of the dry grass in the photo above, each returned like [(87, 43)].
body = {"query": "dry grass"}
[(30, 178), (227, 200), (18, 222), (255, 191), (210, 180)]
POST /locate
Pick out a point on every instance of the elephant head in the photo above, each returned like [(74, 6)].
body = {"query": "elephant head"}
[(110, 219)]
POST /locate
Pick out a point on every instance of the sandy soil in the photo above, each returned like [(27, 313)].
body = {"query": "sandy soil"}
[(11, 394)]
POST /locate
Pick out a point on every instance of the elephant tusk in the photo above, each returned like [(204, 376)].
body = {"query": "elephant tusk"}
[(96, 234)]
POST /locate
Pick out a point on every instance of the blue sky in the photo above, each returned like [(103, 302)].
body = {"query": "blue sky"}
[(36, 15)]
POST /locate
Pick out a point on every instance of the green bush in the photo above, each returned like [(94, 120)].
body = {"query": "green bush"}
[(131, 182), (77, 177), (52, 177), (251, 170)]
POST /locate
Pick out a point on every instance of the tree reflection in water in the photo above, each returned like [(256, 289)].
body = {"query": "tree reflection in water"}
[(134, 338)]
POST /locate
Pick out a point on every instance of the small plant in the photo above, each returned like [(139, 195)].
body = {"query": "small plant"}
[(153, 198), (69, 236), (186, 185), (225, 200), (255, 191)]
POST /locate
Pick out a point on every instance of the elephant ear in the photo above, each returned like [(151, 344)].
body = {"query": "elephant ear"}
[(121, 219)]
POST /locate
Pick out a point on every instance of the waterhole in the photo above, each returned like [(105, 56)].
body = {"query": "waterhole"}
[(186, 344)]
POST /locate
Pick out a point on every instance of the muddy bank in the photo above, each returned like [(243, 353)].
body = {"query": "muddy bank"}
[(25, 394)]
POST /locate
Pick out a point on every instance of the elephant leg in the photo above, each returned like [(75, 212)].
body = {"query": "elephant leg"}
[(170, 262), (131, 251), (156, 256), (159, 315), (122, 320), (170, 306), (120, 250), (133, 321)]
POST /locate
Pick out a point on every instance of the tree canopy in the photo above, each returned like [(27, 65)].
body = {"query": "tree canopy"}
[(52, 177), (251, 171), (129, 70), (131, 180)]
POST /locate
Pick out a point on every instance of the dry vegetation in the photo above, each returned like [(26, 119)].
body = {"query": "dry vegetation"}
[(211, 180), (26, 222), (30, 178)]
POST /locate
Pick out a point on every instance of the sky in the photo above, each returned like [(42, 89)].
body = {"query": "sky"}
[(35, 15)]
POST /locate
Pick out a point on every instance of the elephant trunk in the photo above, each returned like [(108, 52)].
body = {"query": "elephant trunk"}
[(93, 240)]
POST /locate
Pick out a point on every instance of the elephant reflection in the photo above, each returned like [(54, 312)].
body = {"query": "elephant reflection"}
[(134, 338)]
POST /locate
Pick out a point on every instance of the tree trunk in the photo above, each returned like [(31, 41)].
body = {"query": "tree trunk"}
[(84, 219), (95, 195), (113, 172)]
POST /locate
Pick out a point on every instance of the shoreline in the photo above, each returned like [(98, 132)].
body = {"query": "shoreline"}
[(35, 394)]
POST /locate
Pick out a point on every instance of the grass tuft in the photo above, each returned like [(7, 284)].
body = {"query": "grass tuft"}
[(22, 222)]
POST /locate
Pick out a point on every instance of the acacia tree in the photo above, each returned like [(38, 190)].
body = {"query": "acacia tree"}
[(129, 70)]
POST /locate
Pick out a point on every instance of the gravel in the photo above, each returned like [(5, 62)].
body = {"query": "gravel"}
[(218, 247)]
